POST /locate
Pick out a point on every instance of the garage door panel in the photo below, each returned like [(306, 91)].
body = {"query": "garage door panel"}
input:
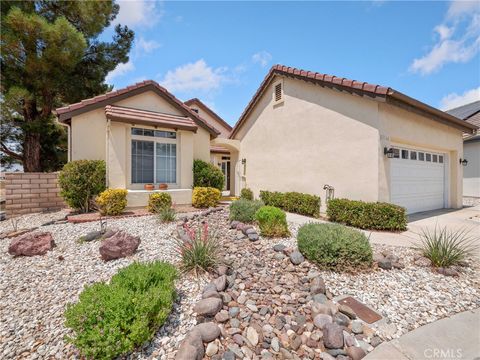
[(417, 185)]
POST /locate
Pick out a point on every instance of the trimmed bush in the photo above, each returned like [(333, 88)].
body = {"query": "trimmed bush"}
[(204, 197), (207, 175), (334, 246), (246, 194), (159, 201), (244, 210), (272, 222), (112, 201), (113, 319), (367, 215), (81, 181), (295, 202)]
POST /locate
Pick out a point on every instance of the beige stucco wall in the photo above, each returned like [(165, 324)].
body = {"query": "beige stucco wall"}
[(319, 136), (471, 172), (224, 131), (90, 141)]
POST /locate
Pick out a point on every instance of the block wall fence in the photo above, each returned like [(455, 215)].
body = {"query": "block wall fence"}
[(31, 192)]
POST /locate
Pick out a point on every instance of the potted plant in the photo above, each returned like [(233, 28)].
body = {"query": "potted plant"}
[(149, 187), (163, 186)]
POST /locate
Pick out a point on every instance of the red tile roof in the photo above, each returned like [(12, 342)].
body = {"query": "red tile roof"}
[(66, 112), (125, 114), (371, 91), (208, 110)]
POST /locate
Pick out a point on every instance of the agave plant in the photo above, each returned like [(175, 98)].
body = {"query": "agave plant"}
[(446, 247), (198, 248)]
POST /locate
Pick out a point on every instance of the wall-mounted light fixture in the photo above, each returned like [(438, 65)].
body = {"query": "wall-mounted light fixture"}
[(388, 152), (244, 161), (463, 162)]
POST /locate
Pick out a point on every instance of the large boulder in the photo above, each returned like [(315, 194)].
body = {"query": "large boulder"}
[(31, 244), (118, 245)]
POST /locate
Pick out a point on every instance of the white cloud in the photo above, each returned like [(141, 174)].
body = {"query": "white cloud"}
[(146, 46), (454, 100), (197, 76), (458, 38), (263, 58), (119, 71), (135, 13)]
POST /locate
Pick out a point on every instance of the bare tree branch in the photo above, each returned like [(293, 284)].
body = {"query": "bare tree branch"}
[(9, 152)]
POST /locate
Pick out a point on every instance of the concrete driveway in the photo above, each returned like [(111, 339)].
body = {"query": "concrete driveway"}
[(467, 218)]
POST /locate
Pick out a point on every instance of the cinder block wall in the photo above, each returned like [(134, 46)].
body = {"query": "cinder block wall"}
[(31, 192)]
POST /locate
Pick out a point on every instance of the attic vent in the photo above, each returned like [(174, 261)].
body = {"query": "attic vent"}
[(195, 110), (278, 92)]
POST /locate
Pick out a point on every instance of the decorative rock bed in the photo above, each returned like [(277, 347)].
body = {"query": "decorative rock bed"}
[(270, 308)]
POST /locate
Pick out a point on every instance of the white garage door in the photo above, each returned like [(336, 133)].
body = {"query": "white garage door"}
[(418, 180)]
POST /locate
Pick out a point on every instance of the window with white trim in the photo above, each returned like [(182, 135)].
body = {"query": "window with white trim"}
[(154, 156)]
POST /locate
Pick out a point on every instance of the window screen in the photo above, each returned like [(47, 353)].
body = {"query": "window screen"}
[(142, 161)]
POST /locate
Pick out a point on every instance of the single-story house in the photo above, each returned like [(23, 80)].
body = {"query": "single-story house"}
[(303, 130), (145, 135), (471, 148)]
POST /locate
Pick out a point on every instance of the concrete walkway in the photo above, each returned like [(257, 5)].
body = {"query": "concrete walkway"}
[(456, 337), (466, 218)]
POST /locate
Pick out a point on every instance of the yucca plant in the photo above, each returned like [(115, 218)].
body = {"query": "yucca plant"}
[(446, 247), (166, 215), (198, 248)]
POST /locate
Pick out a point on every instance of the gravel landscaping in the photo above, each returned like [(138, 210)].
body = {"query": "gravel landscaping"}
[(268, 300)]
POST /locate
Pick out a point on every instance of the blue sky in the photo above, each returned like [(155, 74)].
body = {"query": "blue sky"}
[(221, 51)]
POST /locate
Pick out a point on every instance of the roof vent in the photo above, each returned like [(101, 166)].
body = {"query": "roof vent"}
[(278, 92)]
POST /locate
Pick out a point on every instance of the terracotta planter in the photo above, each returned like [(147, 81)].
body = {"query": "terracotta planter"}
[(149, 187), (163, 186)]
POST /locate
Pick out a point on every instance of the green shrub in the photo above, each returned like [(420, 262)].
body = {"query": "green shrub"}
[(112, 319), (295, 202), (445, 247), (272, 222), (244, 210), (367, 215), (246, 194), (334, 246), (112, 201), (207, 175), (199, 248), (159, 201), (204, 197), (166, 215), (81, 181)]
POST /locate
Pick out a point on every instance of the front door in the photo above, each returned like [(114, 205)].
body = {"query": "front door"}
[(225, 166)]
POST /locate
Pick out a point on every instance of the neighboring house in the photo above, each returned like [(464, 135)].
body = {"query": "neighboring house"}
[(471, 148), (144, 134), (303, 130), (219, 155)]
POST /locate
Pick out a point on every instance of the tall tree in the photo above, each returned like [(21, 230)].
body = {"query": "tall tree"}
[(51, 55)]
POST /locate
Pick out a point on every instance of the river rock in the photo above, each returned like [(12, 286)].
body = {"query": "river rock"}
[(208, 307), (333, 336)]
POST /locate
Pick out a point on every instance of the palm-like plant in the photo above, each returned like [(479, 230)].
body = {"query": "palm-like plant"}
[(445, 247)]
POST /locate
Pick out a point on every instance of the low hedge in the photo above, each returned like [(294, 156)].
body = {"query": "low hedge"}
[(204, 197), (113, 319), (295, 202), (244, 210), (334, 246), (272, 222), (159, 201), (367, 215), (112, 201)]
